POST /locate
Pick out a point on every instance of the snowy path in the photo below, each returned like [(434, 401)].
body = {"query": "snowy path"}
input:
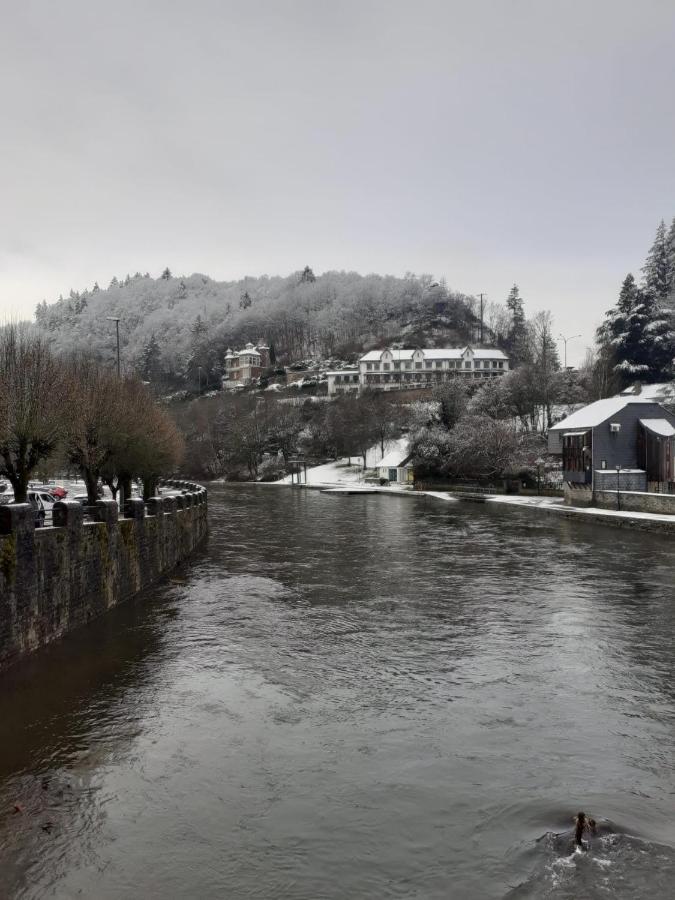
[(335, 474)]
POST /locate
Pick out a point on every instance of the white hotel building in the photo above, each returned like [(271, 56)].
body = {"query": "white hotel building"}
[(399, 369)]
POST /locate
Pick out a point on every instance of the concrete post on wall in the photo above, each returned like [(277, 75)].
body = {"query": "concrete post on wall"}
[(154, 506), (68, 514)]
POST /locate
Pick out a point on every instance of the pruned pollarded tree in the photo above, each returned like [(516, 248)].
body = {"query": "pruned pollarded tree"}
[(164, 448), (34, 386), (144, 441), (93, 406)]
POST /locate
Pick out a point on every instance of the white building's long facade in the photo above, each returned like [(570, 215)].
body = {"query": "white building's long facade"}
[(392, 369)]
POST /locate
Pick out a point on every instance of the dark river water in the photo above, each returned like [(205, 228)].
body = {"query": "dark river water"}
[(356, 697)]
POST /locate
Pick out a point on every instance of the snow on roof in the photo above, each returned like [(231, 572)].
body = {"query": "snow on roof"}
[(434, 353), (662, 427), (596, 413), (343, 372), (664, 390), (395, 459)]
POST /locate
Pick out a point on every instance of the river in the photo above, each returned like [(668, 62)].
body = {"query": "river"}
[(356, 697)]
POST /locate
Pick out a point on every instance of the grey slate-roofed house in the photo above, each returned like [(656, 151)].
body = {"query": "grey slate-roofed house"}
[(637, 435)]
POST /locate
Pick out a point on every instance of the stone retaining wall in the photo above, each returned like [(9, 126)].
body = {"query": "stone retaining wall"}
[(636, 501), (54, 579)]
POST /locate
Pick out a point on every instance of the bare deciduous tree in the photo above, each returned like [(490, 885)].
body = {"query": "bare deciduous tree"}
[(34, 387)]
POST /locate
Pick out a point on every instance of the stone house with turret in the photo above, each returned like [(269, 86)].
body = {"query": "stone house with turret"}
[(245, 366)]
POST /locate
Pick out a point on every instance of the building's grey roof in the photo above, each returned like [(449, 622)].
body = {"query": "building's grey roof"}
[(394, 460), (434, 353), (662, 427), (597, 413)]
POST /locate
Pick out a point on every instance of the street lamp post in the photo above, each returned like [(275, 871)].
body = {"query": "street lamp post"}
[(565, 340), (539, 462), (618, 487), (117, 328), (199, 370)]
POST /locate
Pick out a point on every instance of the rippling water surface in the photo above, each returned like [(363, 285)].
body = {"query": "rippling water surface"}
[(356, 697)]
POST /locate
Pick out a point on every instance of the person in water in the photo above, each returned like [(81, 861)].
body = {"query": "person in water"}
[(582, 823)]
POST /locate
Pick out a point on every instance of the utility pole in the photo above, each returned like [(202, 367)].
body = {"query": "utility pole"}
[(117, 328), (481, 317), (116, 320), (565, 340)]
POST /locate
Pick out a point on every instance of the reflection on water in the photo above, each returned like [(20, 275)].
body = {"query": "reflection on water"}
[(355, 697)]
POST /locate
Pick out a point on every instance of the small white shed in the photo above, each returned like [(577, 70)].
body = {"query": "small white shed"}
[(396, 467)]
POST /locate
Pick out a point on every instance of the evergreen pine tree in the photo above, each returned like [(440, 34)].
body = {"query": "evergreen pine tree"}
[(657, 274), (638, 336), (199, 329), (151, 357), (670, 257), (517, 336), (166, 274), (307, 275), (245, 301)]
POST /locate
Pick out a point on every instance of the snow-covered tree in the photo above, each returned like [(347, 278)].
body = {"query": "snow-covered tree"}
[(638, 335), (657, 270), (517, 339), (151, 359)]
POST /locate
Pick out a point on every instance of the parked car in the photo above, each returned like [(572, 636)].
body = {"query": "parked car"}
[(6, 493), (38, 508), (43, 502), (59, 492)]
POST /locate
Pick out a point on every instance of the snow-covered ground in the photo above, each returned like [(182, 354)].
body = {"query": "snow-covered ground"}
[(341, 473), (557, 504)]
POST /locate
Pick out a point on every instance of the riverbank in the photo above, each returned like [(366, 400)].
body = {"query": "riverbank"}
[(343, 476), (352, 484), (619, 518)]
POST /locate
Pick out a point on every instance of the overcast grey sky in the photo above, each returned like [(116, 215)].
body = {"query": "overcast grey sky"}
[(487, 142)]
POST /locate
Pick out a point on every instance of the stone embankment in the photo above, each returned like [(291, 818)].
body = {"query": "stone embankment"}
[(54, 579)]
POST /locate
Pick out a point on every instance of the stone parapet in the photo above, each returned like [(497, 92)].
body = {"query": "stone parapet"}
[(54, 579)]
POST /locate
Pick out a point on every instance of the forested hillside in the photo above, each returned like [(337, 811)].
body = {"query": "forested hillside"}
[(169, 326)]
